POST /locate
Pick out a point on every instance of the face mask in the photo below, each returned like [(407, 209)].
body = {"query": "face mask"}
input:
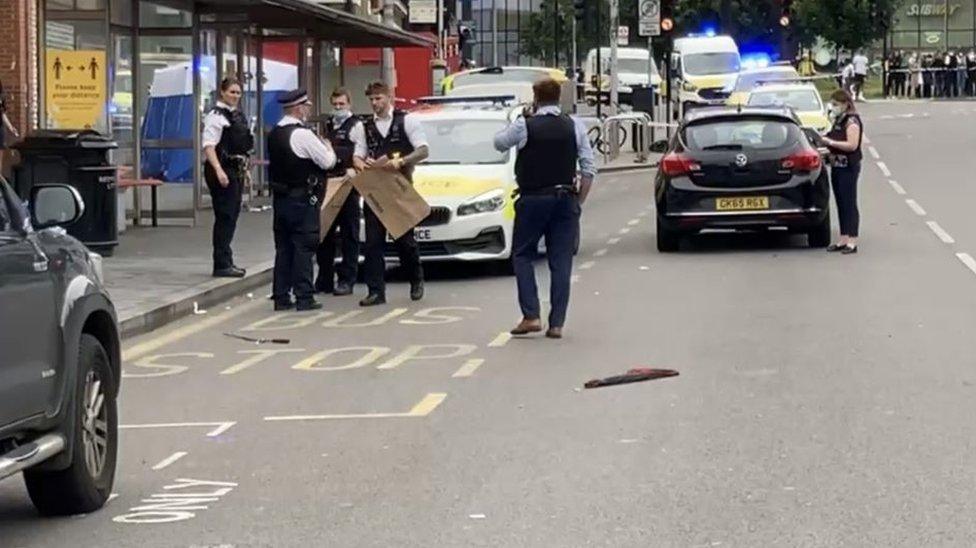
[(834, 110), (341, 114)]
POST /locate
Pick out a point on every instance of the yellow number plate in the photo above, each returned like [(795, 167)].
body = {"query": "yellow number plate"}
[(742, 203)]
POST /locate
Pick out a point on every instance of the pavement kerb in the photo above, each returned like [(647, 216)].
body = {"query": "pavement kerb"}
[(205, 295)]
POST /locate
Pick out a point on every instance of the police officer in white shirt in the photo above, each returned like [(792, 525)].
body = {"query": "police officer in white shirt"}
[(227, 144), (298, 163), (348, 139), (397, 142)]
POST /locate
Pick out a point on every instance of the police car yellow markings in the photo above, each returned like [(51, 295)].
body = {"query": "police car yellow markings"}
[(424, 407)]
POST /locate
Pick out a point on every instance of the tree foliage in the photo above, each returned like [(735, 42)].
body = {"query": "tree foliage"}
[(846, 24)]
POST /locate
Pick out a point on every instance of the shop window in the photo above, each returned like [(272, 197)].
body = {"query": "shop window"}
[(81, 5), (121, 12)]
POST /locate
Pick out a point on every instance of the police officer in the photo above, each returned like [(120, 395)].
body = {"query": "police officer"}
[(227, 143), (348, 139), (396, 142), (298, 162), (550, 144)]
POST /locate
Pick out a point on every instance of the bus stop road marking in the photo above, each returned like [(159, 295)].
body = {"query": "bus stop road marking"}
[(423, 408)]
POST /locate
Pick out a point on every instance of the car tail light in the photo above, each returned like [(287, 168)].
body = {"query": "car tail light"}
[(805, 160), (675, 163)]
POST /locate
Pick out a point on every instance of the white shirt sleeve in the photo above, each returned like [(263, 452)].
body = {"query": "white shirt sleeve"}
[(415, 131), (213, 128), (307, 145), (358, 138)]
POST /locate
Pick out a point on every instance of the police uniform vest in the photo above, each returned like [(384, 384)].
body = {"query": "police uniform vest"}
[(342, 144), (396, 142), (839, 133), (549, 156), (289, 172), (236, 139)]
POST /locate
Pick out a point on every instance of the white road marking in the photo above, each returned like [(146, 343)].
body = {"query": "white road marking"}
[(587, 265), (501, 340), (898, 188), (600, 252), (884, 169), (112, 497), (221, 426), (575, 278), (642, 214), (633, 222), (169, 460), (866, 140), (624, 230), (915, 207), (422, 409), (477, 516), (613, 241), (967, 260), (941, 233), (468, 368), (874, 153)]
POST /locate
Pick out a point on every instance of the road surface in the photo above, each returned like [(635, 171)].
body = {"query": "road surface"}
[(822, 400)]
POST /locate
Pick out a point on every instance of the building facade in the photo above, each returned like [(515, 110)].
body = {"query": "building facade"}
[(934, 25)]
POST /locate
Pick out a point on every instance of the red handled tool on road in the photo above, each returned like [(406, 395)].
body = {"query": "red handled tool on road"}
[(634, 375)]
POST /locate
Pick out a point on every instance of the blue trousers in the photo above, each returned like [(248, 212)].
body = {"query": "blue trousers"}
[(557, 218), (296, 236)]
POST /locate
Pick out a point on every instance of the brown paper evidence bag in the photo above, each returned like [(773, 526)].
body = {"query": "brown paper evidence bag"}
[(389, 194)]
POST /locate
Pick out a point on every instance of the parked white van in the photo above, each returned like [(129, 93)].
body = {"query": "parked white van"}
[(704, 70), (632, 71)]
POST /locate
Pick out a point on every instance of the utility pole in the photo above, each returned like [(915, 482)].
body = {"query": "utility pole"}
[(573, 64), (389, 60), (440, 29), (494, 33), (614, 24)]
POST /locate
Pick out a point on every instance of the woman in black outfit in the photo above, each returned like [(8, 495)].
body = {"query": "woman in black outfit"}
[(5, 126), (844, 142)]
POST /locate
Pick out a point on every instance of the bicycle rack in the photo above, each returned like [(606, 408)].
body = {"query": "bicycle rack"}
[(644, 126)]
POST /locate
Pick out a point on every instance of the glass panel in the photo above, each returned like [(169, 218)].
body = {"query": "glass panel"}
[(75, 76), (120, 108), (331, 75), (121, 12), (90, 4), (60, 4), (904, 39), (166, 108), (280, 76), (960, 39), (164, 14)]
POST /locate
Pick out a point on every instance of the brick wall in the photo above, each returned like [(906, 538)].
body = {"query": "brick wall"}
[(15, 68)]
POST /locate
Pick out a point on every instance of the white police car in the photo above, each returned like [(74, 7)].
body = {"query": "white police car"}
[(467, 183)]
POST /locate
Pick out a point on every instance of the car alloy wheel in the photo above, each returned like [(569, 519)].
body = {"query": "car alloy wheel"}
[(94, 425)]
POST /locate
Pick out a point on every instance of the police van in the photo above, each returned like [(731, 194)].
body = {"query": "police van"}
[(704, 70)]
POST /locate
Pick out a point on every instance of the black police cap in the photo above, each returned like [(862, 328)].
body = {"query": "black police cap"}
[(293, 98)]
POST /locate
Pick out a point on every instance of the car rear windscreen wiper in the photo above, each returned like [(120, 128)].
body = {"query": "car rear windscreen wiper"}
[(728, 146)]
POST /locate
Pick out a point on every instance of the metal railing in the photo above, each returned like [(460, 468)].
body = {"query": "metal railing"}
[(643, 130)]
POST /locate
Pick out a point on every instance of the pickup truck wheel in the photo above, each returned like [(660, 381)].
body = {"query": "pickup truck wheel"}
[(87, 482)]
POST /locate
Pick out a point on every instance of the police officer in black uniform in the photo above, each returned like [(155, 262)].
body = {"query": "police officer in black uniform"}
[(298, 162), (396, 141), (844, 141), (227, 144), (348, 138)]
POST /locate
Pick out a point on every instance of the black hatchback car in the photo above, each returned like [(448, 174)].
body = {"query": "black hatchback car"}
[(59, 356), (741, 169)]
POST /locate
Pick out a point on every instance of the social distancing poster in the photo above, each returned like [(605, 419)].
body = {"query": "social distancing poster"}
[(75, 88)]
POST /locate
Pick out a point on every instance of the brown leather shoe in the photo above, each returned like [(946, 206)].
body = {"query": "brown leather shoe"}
[(527, 326), (555, 333)]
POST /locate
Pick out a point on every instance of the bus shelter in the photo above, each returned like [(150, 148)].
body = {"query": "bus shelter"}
[(147, 71)]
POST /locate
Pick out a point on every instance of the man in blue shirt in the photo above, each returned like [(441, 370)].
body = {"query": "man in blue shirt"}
[(550, 144)]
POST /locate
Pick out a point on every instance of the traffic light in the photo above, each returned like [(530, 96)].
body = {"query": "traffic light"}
[(579, 7), (786, 13), (667, 18)]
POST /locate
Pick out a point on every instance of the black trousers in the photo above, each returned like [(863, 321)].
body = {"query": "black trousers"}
[(844, 182), (375, 265), (227, 208), (346, 228), (296, 235)]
